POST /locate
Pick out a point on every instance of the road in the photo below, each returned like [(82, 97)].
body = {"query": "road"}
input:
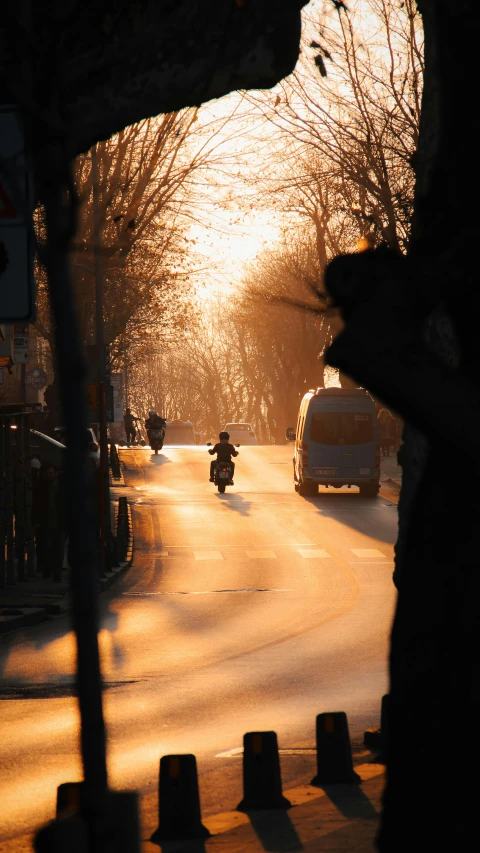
[(253, 610)]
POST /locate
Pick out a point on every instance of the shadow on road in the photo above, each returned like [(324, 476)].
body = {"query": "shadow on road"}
[(235, 502), (159, 460), (351, 509), (350, 801), (275, 831)]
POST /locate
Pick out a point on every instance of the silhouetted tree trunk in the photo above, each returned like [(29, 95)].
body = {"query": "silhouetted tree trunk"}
[(435, 667), (417, 350)]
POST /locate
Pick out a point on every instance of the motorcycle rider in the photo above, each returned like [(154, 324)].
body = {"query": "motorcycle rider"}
[(224, 451), (154, 421)]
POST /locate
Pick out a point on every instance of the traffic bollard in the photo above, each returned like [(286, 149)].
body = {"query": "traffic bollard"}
[(179, 815), (69, 798), (262, 781), (376, 738), (334, 752), (125, 822), (62, 835), (122, 824)]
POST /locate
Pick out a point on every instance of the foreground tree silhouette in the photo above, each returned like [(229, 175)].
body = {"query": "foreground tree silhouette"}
[(410, 337)]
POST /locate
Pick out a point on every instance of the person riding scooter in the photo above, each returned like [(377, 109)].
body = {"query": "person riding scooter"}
[(224, 451), (154, 421)]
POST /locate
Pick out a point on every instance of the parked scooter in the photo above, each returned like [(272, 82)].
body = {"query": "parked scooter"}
[(139, 437)]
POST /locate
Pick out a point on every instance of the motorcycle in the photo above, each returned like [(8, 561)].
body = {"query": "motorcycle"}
[(222, 473), (156, 438)]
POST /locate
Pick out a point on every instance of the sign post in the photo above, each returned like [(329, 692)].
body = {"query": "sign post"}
[(36, 378), (16, 256)]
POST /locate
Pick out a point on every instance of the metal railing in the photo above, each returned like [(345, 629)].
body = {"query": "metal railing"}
[(17, 541)]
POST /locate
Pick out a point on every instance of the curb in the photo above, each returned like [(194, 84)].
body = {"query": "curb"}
[(393, 483), (110, 577), (13, 617), (117, 481)]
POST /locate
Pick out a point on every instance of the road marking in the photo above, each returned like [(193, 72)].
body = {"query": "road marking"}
[(261, 555), (204, 592), (319, 554), (294, 750), (208, 555), (230, 752), (367, 553)]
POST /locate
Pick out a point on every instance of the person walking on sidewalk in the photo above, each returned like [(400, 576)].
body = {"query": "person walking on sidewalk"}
[(49, 522), (129, 424)]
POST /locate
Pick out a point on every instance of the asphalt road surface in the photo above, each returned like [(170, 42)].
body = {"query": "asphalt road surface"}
[(252, 610)]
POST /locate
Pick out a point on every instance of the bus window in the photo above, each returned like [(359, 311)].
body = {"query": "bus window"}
[(345, 428)]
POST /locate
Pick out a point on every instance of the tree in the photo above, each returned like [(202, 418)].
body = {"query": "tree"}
[(84, 73), (150, 184), (281, 298), (420, 355), (248, 360), (346, 138)]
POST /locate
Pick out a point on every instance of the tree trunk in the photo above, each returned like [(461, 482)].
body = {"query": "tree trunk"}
[(434, 663)]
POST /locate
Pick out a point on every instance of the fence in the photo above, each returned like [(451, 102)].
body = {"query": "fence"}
[(17, 534), (17, 543)]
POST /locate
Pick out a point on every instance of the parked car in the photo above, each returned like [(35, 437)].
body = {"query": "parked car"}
[(91, 441), (43, 449), (179, 432), (241, 433)]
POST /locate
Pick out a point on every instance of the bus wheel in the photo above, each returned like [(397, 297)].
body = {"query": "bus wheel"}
[(307, 489), (369, 490)]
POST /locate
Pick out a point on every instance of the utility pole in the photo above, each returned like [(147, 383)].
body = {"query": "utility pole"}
[(105, 512), (125, 369)]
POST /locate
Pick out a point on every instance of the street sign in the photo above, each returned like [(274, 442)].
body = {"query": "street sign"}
[(20, 344), (36, 378), (16, 256)]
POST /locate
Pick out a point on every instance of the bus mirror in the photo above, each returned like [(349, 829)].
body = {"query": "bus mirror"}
[(290, 434)]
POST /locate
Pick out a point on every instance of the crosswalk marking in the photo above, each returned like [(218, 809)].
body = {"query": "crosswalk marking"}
[(261, 555), (318, 554), (368, 553), (208, 555), (268, 554)]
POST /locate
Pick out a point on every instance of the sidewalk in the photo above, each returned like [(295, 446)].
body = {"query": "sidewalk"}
[(390, 471), (38, 598), (339, 818)]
